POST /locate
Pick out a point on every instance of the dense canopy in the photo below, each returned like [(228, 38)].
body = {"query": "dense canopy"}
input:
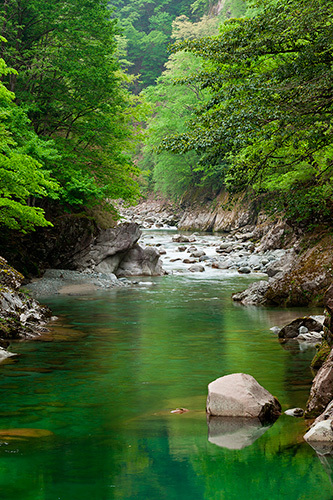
[(268, 122)]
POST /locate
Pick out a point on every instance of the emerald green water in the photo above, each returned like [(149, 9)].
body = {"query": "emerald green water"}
[(106, 396)]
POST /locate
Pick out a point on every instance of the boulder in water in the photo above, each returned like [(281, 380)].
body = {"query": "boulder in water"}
[(240, 395)]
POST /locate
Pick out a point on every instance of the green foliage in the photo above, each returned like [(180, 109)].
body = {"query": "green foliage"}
[(173, 105), (69, 82), (269, 117), (147, 26), (22, 177)]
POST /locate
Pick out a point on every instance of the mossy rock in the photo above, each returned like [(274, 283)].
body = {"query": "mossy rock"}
[(321, 355), (9, 276)]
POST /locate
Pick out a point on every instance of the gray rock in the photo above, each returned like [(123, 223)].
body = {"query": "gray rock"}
[(240, 395), (244, 270), (320, 432), (253, 295), (310, 336), (198, 253), (180, 238), (141, 262), (196, 269), (204, 258), (321, 393), (108, 243)]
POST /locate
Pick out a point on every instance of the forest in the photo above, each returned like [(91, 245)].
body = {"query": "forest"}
[(112, 100)]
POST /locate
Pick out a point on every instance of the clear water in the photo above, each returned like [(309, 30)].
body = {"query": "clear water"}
[(105, 390)]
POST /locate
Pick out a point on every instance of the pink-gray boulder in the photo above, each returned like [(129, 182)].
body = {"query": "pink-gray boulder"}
[(240, 395)]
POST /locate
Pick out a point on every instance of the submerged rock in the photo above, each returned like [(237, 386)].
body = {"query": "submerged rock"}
[(240, 395)]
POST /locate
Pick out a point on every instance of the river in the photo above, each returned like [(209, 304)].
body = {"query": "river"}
[(104, 389)]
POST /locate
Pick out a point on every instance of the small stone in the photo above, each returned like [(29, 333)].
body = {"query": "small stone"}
[(196, 269), (189, 261), (244, 270), (295, 412)]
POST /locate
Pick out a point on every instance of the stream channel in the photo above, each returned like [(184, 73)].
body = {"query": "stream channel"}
[(102, 391)]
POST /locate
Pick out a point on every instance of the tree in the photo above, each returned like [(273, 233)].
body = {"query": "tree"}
[(269, 118), (22, 177)]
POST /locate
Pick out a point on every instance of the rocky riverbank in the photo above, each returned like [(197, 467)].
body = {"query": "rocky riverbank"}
[(21, 316), (305, 266)]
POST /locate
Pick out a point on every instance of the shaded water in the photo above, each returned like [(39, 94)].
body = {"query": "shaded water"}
[(106, 397)]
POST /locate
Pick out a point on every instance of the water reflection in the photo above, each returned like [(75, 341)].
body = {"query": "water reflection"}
[(234, 433), (107, 397)]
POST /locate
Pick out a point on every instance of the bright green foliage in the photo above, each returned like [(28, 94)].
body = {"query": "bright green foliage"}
[(21, 175), (269, 117), (173, 105), (70, 84)]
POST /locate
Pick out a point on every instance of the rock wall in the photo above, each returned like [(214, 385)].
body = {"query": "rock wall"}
[(223, 213)]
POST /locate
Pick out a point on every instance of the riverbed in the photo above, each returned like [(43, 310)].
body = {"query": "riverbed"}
[(103, 388)]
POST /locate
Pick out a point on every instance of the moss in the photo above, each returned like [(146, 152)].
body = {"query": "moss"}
[(321, 355)]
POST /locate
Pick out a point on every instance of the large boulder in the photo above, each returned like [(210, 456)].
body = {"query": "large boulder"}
[(240, 395), (141, 262), (321, 393), (111, 242)]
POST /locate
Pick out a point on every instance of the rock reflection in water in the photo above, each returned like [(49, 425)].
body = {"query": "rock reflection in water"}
[(324, 452), (234, 433)]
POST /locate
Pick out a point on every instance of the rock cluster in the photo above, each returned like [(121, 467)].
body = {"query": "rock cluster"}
[(234, 252), (320, 402), (308, 328), (20, 315), (152, 213)]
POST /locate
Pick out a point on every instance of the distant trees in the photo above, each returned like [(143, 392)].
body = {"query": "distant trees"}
[(147, 26), (173, 105)]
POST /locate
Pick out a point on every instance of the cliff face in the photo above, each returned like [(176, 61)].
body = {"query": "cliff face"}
[(223, 213)]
